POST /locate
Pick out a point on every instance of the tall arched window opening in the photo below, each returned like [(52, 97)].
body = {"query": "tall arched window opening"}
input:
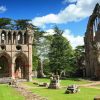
[(3, 37), (9, 37), (19, 38)]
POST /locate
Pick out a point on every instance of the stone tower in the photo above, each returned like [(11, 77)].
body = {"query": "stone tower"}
[(16, 53), (92, 44)]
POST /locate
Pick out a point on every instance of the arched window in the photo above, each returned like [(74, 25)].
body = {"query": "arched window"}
[(9, 37), (14, 38), (25, 38), (3, 37), (19, 38)]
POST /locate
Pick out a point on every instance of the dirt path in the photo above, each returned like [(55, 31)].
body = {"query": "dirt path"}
[(25, 91), (91, 85)]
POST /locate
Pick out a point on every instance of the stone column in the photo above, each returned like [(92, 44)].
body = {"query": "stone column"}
[(30, 62), (12, 70), (23, 39), (0, 37), (16, 41)]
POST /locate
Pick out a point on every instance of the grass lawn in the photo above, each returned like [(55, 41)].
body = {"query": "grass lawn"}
[(51, 94), (66, 82), (8, 93), (84, 94)]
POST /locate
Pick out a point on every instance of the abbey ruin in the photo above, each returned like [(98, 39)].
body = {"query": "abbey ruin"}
[(92, 44), (16, 53)]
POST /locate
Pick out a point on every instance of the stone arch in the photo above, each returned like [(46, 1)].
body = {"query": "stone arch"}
[(20, 37), (3, 37), (5, 65), (94, 20), (21, 66)]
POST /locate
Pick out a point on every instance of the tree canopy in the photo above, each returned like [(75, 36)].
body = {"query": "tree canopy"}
[(60, 52)]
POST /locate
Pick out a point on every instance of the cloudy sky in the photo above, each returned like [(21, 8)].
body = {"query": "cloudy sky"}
[(70, 15)]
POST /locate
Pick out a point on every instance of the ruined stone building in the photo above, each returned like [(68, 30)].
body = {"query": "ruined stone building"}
[(16, 53), (92, 44)]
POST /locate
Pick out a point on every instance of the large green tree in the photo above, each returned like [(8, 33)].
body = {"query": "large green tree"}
[(80, 60), (60, 53), (79, 55), (5, 23), (21, 24)]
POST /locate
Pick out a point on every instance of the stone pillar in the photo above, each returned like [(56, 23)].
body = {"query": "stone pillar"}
[(30, 62), (12, 70), (0, 38), (16, 41), (23, 39)]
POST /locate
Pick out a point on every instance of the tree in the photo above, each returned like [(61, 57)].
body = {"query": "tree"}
[(42, 52), (21, 24), (80, 59), (5, 23), (79, 55), (60, 52), (40, 46)]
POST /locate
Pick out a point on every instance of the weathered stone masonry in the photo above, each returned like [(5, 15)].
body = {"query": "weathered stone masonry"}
[(92, 44), (16, 53)]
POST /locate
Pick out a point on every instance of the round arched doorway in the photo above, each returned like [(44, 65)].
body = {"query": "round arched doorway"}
[(5, 68), (21, 66)]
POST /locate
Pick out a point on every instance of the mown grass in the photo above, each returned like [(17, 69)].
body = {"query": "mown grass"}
[(8, 93), (66, 82), (84, 94), (59, 94)]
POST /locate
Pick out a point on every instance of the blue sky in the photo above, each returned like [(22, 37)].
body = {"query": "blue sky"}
[(30, 8), (69, 15)]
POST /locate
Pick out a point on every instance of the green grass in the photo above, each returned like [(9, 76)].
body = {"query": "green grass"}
[(58, 94), (66, 82), (8, 93), (84, 94)]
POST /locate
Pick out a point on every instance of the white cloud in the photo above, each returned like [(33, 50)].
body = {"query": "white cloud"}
[(73, 12), (74, 40), (2, 9), (50, 32)]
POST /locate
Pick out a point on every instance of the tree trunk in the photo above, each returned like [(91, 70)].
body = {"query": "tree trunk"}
[(40, 73)]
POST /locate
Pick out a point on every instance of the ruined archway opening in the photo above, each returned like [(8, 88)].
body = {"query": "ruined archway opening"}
[(20, 38), (4, 67), (14, 38), (25, 38), (3, 37), (20, 68), (9, 37)]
